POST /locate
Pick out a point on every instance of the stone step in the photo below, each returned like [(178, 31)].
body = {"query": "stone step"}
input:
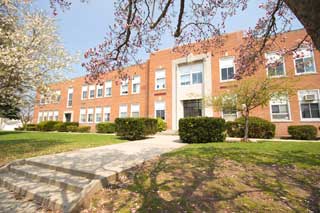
[(45, 195), (61, 179), (10, 203)]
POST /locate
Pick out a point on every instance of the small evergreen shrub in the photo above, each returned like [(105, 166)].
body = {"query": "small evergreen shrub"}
[(303, 132), (258, 128), (83, 129), (106, 127), (63, 127), (72, 128), (162, 125), (135, 128), (201, 129), (47, 126), (31, 127)]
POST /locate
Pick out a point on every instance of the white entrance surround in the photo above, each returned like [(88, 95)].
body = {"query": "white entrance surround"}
[(188, 92), (67, 112)]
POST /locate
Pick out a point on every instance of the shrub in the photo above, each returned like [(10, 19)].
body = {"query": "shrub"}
[(162, 125), (258, 128), (201, 129), (47, 126), (31, 127), (303, 132), (72, 128), (135, 128), (62, 127), (106, 127), (83, 129)]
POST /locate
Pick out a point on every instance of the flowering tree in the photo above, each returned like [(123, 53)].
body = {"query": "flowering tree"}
[(31, 55), (139, 25)]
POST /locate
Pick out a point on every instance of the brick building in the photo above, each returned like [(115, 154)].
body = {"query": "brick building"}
[(171, 86)]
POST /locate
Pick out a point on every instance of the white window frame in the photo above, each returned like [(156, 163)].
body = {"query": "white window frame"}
[(108, 85), (299, 101), (157, 103), (279, 101), (70, 90), (160, 74), (313, 58), (98, 110), (133, 106), (83, 111), (92, 88), (84, 89), (106, 109), (88, 113), (99, 87), (136, 80), (40, 115), (223, 66), (270, 60), (124, 82), (190, 73), (120, 107)]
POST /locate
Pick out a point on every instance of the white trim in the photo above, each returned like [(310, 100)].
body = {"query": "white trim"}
[(70, 91), (123, 105), (82, 90), (97, 89), (234, 69), (155, 109), (104, 113), (281, 120), (133, 83), (135, 105), (64, 117), (105, 87), (93, 117), (126, 81), (92, 88)]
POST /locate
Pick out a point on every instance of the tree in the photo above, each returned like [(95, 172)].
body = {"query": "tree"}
[(26, 110), (31, 54), (139, 24), (250, 93)]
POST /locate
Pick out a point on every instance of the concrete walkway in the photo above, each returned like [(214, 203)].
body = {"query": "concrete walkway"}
[(62, 182)]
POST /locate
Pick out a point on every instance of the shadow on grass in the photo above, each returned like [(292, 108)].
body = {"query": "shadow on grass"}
[(184, 176), (10, 132)]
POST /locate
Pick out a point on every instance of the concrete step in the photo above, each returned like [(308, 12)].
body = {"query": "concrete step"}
[(10, 203), (52, 177), (45, 195)]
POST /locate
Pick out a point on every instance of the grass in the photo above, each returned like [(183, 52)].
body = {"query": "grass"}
[(17, 145), (220, 177)]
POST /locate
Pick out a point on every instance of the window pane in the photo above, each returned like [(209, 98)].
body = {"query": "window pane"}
[(279, 69), (224, 74), (305, 111), (197, 78), (283, 108), (192, 108), (185, 79), (230, 73), (160, 114), (308, 64), (315, 110), (275, 108), (299, 65)]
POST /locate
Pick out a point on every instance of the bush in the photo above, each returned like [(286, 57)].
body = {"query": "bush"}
[(303, 132), (162, 125), (47, 126), (63, 127), (106, 127), (72, 128), (135, 128), (201, 129), (83, 129), (258, 128), (31, 127)]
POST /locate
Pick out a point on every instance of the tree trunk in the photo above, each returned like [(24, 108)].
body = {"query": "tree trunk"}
[(246, 127), (308, 13)]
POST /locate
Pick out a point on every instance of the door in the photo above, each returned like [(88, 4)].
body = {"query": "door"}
[(67, 117)]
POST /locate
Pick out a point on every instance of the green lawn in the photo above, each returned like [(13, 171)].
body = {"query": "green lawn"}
[(220, 177), (17, 145)]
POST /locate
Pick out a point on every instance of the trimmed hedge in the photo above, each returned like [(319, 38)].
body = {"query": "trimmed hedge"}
[(84, 129), (47, 126), (258, 128), (202, 129), (162, 125), (31, 127), (63, 127), (106, 127), (303, 132), (135, 128)]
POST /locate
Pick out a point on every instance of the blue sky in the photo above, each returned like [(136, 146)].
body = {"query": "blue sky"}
[(85, 24)]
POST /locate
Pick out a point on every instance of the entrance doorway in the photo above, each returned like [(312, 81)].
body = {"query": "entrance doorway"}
[(67, 117)]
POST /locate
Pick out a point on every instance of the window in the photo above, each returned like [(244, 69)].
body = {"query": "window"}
[(108, 86), (304, 61), (70, 96), (192, 108), (50, 116), (84, 92), (42, 99), (40, 117), (160, 79), (135, 110), (98, 114), (124, 87), (56, 96), (45, 116), (227, 68), (91, 91), (280, 109), (275, 65), (107, 112), (191, 74), (229, 114), (99, 91), (123, 111), (83, 115), (309, 104), (136, 84), (160, 109), (90, 115), (56, 115)]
